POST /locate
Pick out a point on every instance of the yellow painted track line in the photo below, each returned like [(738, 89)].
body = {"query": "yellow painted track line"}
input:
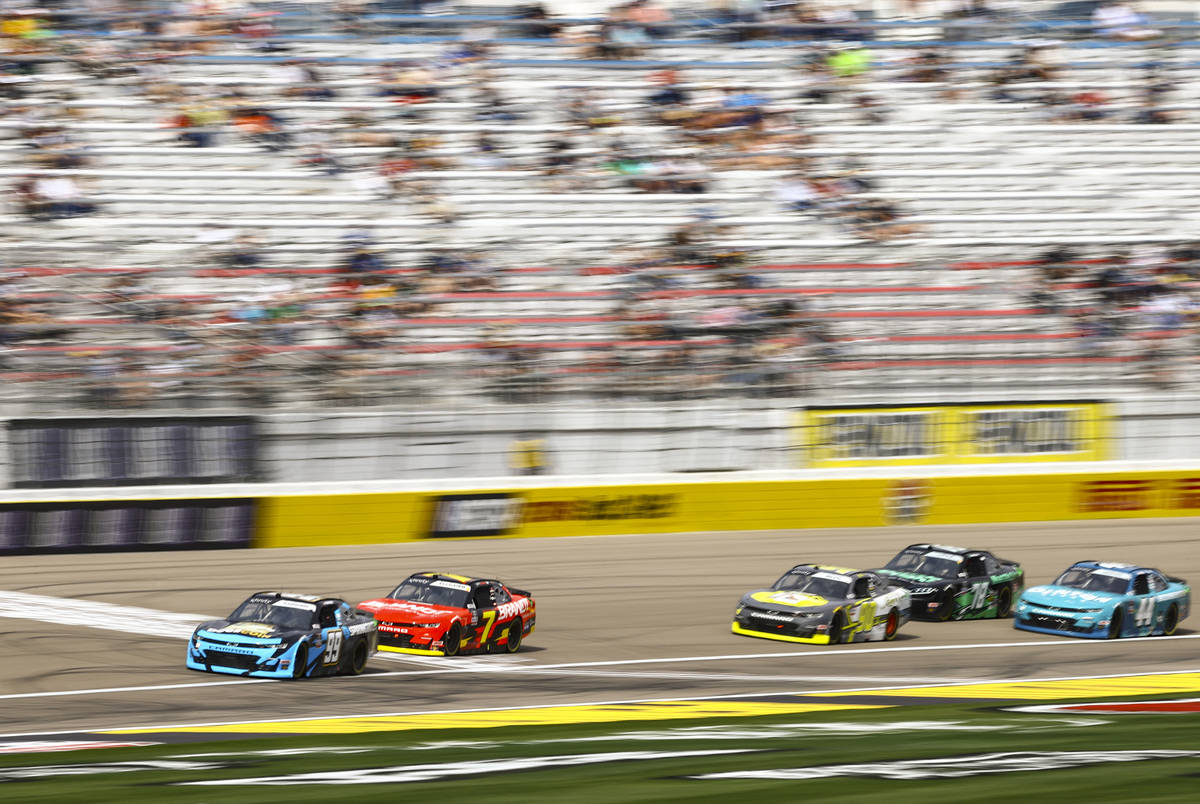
[(1049, 690), (538, 716)]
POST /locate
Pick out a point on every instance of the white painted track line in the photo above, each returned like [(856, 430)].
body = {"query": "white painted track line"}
[(731, 697), (553, 669)]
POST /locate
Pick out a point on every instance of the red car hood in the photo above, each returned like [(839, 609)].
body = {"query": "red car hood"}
[(387, 609)]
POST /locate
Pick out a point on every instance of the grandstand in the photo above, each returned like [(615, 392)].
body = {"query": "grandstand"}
[(321, 207)]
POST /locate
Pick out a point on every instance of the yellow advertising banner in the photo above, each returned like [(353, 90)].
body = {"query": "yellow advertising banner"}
[(300, 521), (938, 434)]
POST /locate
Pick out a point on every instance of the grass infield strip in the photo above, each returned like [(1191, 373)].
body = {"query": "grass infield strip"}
[(1070, 757)]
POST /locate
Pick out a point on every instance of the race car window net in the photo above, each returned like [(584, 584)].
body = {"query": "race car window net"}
[(431, 595), (1093, 581)]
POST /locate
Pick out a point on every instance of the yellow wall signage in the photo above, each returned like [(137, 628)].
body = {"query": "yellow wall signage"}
[(929, 434), (1056, 495)]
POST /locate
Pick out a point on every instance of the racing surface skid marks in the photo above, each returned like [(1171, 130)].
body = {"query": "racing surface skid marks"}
[(678, 645)]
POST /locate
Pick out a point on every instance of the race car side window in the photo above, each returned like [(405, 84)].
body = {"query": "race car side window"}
[(327, 618), (500, 593), (974, 567), (862, 587), (1141, 584), (1157, 582), (482, 597)]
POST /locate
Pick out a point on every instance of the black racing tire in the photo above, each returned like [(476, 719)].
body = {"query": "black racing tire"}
[(947, 605), (452, 641), (516, 632), (837, 626), (892, 626), (1171, 620), (1004, 602), (1114, 626), (358, 658), (300, 664)]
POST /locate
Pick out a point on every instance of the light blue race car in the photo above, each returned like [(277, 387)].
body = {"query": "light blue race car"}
[(1103, 600), (283, 635)]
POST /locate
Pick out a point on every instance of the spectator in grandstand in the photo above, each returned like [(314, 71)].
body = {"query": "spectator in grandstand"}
[(870, 110), (198, 123), (651, 16), (621, 39), (537, 22), (60, 197), (928, 66), (363, 260), (407, 83), (263, 127), (816, 80), (796, 193), (1027, 65), (850, 61), (244, 252), (492, 105), (672, 92), (1085, 107), (31, 204), (1120, 21)]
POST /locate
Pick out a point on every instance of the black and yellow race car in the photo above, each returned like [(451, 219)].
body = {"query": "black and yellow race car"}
[(824, 605)]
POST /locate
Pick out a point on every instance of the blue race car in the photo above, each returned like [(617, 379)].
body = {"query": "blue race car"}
[(1103, 600), (281, 635)]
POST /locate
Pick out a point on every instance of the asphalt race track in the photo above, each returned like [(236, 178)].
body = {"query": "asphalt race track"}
[(620, 618)]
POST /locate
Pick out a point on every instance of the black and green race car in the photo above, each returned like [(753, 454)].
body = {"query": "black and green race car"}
[(955, 583)]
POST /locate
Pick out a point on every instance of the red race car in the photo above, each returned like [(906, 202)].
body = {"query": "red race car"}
[(440, 614)]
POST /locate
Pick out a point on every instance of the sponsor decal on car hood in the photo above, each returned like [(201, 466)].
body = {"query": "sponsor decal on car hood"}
[(1050, 595), (788, 598), (256, 630), (388, 607)]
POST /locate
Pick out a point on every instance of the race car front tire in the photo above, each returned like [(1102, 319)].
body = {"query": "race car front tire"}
[(300, 663), (892, 627), (452, 641), (837, 626), (358, 658), (1114, 626), (947, 605)]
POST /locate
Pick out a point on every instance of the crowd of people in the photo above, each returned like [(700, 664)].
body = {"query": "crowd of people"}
[(358, 310)]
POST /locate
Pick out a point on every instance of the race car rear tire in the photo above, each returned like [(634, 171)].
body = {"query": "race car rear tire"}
[(358, 658), (1004, 601), (836, 626), (892, 627), (452, 641), (1171, 620), (516, 631), (300, 663), (1114, 626)]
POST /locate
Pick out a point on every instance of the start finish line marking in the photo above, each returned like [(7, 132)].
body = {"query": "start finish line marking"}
[(93, 614)]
